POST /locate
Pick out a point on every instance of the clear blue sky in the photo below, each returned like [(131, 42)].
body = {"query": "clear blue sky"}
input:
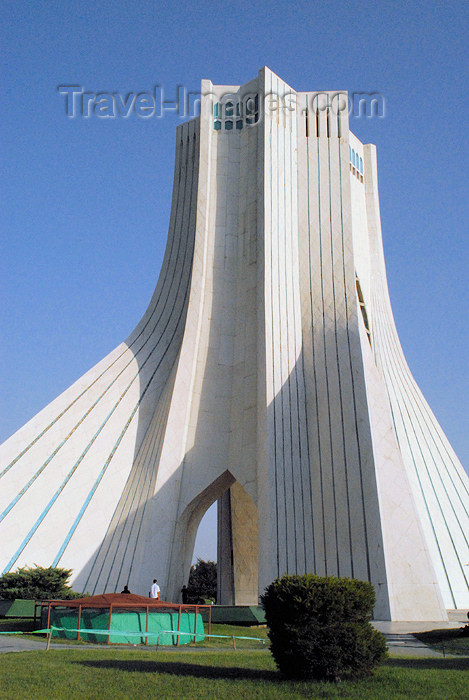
[(85, 203)]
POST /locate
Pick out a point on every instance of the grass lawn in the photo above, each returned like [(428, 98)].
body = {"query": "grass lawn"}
[(192, 674), (213, 669), (236, 631)]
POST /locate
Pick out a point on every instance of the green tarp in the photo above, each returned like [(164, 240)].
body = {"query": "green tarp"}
[(126, 621), (16, 608), (236, 614)]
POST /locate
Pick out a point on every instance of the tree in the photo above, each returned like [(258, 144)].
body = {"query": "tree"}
[(37, 583), (319, 627), (202, 584)]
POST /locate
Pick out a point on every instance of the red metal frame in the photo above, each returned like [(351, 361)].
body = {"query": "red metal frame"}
[(179, 626), (146, 628), (79, 621), (180, 607), (49, 634), (109, 624)]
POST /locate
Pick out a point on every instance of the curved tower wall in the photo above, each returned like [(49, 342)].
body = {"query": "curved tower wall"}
[(266, 374), (76, 480), (438, 481)]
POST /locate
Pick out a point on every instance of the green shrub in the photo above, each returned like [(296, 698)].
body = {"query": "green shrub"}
[(37, 583), (202, 583), (319, 627)]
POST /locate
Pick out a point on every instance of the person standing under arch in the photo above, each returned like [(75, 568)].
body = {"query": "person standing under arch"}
[(155, 590)]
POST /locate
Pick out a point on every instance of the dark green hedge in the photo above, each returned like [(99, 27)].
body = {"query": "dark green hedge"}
[(37, 583), (319, 627)]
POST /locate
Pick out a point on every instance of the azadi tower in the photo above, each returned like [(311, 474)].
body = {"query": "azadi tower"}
[(267, 375)]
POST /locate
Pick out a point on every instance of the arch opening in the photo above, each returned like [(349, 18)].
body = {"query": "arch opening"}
[(236, 537), (205, 546)]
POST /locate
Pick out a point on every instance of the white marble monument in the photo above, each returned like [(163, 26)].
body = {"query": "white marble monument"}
[(266, 374)]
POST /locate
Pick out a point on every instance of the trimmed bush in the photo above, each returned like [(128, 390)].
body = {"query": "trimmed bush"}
[(37, 583), (319, 627)]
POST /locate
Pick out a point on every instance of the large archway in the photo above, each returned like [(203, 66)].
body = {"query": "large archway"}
[(205, 547), (237, 549)]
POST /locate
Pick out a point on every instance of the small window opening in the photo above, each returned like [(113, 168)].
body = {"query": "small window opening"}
[(251, 109), (306, 123), (363, 309)]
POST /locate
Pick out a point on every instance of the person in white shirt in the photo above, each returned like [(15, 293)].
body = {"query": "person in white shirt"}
[(155, 589)]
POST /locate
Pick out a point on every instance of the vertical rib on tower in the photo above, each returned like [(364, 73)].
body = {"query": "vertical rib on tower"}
[(267, 374)]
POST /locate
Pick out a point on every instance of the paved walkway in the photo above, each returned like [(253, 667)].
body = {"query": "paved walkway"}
[(408, 645), (18, 643), (387, 627), (399, 635), (398, 645)]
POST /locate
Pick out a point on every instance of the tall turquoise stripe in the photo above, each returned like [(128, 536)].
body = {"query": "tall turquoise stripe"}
[(97, 482), (59, 555), (54, 453), (78, 462), (61, 444), (103, 470), (73, 470), (56, 495), (62, 413), (127, 349)]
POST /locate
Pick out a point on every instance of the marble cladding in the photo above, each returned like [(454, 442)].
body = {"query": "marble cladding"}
[(252, 379)]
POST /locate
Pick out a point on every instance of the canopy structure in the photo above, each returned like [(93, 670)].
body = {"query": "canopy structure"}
[(117, 618)]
